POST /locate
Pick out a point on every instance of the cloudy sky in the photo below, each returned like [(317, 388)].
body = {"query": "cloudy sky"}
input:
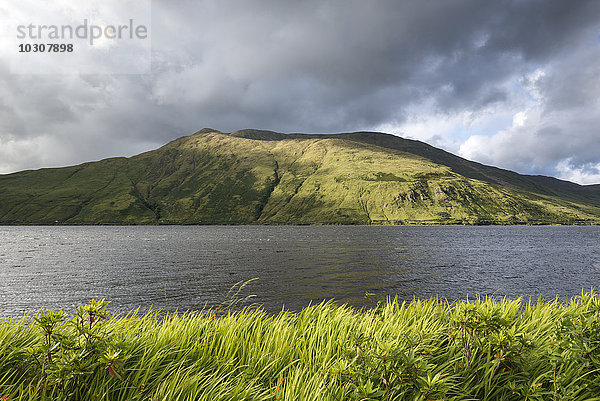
[(514, 84)]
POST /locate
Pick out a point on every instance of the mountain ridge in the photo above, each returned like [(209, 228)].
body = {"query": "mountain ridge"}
[(265, 177), (538, 183)]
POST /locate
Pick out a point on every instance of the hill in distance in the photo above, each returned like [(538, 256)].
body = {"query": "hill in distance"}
[(263, 177)]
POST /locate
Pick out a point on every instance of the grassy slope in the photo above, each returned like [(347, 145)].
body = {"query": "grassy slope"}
[(262, 177), (537, 184)]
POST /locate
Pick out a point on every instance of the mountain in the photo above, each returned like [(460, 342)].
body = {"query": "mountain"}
[(264, 177)]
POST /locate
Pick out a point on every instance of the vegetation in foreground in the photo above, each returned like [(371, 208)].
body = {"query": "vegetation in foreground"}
[(424, 350)]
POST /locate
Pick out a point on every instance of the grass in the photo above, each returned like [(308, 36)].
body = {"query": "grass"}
[(482, 349)]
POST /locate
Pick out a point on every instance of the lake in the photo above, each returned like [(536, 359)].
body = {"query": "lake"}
[(189, 267)]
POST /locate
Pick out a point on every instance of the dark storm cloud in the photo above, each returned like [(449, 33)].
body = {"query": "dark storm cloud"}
[(294, 67), (330, 66)]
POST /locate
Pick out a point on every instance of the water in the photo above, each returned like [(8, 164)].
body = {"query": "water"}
[(188, 267)]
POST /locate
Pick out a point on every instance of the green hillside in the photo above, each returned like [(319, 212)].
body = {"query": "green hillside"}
[(262, 177)]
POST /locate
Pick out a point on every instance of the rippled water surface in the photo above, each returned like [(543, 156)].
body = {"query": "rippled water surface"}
[(187, 267)]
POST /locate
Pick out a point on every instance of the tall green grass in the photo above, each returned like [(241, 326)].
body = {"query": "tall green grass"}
[(483, 349)]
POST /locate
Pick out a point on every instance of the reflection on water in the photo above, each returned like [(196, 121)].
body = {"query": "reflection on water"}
[(191, 266)]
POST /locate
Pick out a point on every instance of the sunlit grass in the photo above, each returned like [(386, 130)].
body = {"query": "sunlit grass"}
[(484, 349)]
